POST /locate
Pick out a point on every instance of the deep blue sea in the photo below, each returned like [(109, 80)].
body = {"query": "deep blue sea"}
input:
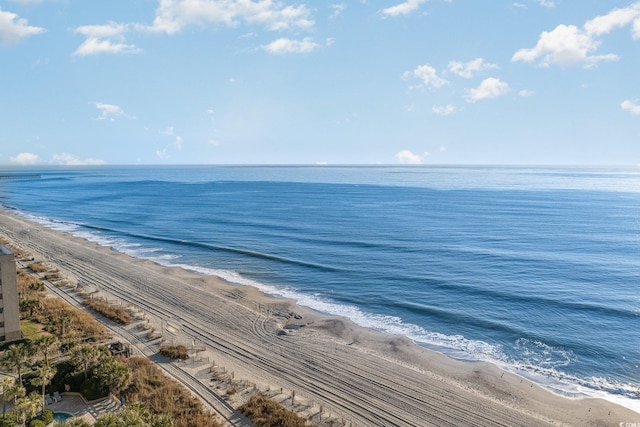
[(534, 268)]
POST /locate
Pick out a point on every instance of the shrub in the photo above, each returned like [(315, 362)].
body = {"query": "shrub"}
[(112, 312), (174, 351), (38, 267), (47, 416), (164, 396), (37, 423), (76, 422), (264, 412)]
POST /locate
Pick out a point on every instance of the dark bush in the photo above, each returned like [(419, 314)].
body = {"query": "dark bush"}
[(47, 416)]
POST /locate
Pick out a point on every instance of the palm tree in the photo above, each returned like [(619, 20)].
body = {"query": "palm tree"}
[(43, 379), (27, 407), (63, 321), (44, 344), (112, 374), (15, 356), (75, 422), (6, 385), (30, 305), (85, 357), (14, 392)]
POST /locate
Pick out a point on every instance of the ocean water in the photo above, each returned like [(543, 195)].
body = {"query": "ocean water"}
[(534, 269)]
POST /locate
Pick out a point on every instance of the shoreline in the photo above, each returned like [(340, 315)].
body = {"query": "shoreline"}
[(366, 376), (571, 387)]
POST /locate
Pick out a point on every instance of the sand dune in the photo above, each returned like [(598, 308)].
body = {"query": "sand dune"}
[(361, 376)]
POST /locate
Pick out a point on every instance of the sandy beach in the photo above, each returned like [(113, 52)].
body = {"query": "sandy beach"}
[(360, 376)]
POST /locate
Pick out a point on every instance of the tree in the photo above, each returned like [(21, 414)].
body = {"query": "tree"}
[(112, 374), (63, 321), (44, 344), (15, 392), (85, 357), (6, 386), (29, 305), (27, 407), (16, 356), (43, 379)]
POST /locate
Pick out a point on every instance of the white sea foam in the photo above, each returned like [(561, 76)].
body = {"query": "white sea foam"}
[(537, 361), (454, 345)]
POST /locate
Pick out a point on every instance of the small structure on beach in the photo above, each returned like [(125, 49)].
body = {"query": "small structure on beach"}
[(9, 306), (119, 349)]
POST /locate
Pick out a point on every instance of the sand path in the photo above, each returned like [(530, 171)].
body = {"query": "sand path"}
[(363, 377)]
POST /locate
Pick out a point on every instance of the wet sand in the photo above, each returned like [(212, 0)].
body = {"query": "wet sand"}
[(362, 376)]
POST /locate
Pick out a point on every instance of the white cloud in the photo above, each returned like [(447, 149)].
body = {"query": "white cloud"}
[(631, 107), (546, 3), (617, 18), (489, 88), (112, 29), (409, 158), (13, 29), (526, 93), (25, 159), (93, 46), (565, 45), (162, 154), (107, 38), (468, 69), (179, 142), (568, 45), (109, 111), (72, 160), (284, 45), (173, 15), (337, 9), (428, 75), (402, 8), (443, 110)]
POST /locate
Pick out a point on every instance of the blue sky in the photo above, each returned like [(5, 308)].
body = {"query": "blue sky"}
[(354, 82)]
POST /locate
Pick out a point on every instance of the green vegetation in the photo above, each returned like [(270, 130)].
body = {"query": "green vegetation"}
[(54, 315), (174, 351), (164, 396), (30, 329), (61, 350)]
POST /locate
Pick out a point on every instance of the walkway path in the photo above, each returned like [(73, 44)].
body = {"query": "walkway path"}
[(209, 397)]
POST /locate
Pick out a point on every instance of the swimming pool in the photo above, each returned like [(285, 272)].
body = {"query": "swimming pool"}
[(61, 416)]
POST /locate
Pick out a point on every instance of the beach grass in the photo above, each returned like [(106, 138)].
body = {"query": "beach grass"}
[(264, 412), (165, 396), (110, 311), (174, 351), (338, 368)]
